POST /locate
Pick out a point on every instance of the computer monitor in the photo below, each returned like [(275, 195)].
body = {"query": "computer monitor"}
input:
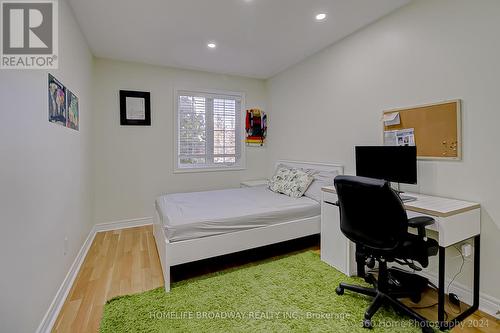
[(392, 163)]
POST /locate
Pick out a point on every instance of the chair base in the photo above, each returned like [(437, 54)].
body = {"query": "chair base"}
[(390, 298)]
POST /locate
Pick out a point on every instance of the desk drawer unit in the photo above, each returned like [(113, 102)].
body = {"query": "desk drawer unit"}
[(455, 228), (336, 249)]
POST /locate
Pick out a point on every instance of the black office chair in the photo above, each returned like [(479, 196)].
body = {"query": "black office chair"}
[(373, 216)]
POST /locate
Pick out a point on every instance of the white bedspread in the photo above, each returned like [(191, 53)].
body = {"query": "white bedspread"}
[(201, 214)]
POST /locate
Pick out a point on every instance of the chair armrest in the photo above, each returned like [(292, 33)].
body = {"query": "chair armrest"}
[(420, 221)]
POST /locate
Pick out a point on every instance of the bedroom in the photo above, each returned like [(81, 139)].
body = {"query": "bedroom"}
[(322, 82)]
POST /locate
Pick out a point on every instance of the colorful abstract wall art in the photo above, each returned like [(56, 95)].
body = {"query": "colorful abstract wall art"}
[(256, 127), (57, 101), (63, 105), (72, 120)]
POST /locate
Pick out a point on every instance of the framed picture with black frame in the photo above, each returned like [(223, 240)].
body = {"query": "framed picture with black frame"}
[(135, 108)]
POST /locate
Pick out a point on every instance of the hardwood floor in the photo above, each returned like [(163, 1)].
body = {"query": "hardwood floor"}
[(119, 262), (125, 261)]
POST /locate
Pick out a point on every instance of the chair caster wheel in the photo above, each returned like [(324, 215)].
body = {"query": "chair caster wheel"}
[(370, 262), (339, 291), (427, 329), (367, 323)]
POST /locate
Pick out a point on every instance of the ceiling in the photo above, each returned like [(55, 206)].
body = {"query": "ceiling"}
[(254, 38)]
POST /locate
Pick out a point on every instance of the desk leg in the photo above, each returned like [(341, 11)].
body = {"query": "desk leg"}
[(443, 325), (477, 246), (475, 296), (441, 282)]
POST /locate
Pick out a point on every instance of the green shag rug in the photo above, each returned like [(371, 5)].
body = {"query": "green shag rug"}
[(294, 293)]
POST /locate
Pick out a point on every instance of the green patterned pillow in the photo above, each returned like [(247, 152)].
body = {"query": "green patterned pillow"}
[(290, 181)]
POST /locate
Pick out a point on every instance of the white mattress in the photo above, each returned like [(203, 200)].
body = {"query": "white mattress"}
[(202, 214)]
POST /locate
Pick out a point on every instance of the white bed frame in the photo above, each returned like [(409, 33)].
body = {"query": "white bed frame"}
[(181, 252)]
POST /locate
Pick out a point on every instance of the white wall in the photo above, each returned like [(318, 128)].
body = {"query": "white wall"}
[(135, 164), (45, 182), (56, 182), (425, 52)]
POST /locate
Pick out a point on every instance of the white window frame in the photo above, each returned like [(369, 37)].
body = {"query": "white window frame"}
[(242, 164)]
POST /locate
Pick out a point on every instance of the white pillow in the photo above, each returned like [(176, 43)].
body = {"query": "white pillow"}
[(290, 181), (321, 179)]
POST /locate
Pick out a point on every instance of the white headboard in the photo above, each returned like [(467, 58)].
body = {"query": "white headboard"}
[(312, 165)]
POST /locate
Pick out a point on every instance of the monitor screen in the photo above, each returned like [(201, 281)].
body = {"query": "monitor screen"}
[(392, 163)]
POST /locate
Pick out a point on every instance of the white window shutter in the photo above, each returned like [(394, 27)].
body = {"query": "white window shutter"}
[(209, 131)]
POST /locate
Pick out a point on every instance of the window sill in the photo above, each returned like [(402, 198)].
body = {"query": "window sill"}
[(197, 170)]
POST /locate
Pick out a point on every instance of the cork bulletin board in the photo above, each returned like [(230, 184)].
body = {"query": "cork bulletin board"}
[(437, 129)]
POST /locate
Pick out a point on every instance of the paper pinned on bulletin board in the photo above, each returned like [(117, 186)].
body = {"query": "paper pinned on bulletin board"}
[(404, 137), (391, 119)]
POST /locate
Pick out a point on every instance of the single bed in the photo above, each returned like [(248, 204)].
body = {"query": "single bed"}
[(194, 215), (199, 225)]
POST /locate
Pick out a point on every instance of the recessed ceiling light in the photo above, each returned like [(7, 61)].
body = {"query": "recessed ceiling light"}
[(211, 45), (320, 17)]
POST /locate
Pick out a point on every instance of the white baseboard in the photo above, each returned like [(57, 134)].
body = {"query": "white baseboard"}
[(50, 317), (123, 224)]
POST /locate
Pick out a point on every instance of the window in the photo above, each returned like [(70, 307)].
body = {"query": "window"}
[(209, 131)]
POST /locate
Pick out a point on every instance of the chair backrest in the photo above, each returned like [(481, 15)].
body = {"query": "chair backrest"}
[(371, 212)]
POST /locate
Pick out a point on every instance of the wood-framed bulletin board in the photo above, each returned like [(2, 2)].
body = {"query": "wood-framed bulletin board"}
[(437, 129)]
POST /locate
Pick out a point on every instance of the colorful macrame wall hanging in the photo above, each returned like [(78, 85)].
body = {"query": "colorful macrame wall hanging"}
[(256, 127)]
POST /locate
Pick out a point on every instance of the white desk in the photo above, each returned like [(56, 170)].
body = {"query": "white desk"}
[(456, 221)]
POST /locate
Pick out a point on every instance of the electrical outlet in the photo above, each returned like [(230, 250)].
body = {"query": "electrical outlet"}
[(466, 250), (65, 245)]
